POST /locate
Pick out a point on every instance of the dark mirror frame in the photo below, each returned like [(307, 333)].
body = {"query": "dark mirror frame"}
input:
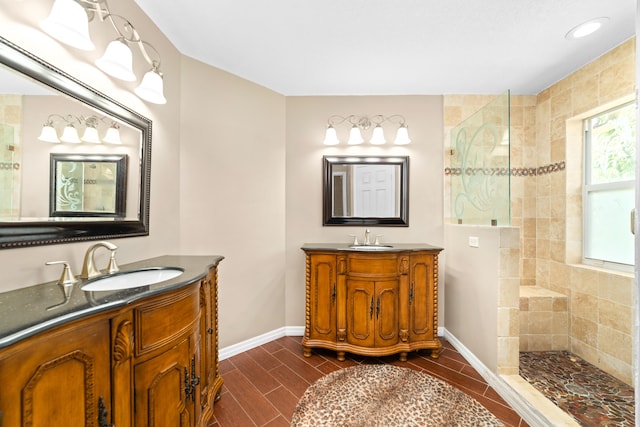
[(55, 231), (327, 206)]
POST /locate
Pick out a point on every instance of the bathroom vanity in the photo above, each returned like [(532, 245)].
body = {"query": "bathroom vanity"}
[(128, 357), (372, 301)]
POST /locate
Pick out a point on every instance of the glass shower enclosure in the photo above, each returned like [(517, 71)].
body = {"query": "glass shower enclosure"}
[(479, 169)]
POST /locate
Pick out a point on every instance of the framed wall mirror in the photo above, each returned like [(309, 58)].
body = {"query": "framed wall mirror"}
[(33, 92), (366, 190)]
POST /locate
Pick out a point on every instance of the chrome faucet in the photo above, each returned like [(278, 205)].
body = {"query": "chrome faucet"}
[(367, 239), (89, 268)]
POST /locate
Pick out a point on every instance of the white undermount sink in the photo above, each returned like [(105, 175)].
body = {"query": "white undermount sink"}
[(370, 247), (132, 279)]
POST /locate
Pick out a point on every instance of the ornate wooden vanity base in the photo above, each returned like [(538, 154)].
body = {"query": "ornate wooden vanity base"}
[(371, 302), (153, 357)]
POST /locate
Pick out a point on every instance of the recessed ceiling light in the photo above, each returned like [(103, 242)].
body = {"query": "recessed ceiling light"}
[(586, 28)]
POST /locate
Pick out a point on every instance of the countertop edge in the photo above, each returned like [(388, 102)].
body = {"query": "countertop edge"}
[(393, 247), (195, 268)]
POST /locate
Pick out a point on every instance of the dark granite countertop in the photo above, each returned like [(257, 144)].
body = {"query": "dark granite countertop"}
[(390, 247), (23, 312)]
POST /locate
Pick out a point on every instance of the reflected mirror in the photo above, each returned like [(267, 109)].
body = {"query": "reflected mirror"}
[(366, 190), (87, 185), (33, 93)]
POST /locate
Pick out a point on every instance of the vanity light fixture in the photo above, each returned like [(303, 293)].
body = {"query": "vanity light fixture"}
[(362, 123), (68, 22), (70, 133)]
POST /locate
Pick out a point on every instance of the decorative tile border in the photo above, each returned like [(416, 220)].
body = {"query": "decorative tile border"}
[(541, 170)]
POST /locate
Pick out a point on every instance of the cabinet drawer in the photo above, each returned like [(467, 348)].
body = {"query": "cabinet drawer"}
[(161, 321), (372, 265)]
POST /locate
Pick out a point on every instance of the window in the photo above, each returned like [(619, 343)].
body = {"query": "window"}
[(609, 190)]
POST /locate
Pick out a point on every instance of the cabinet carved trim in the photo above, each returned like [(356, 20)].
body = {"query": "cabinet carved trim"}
[(403, 265), (307, 300), (89, 380), (122, 345)]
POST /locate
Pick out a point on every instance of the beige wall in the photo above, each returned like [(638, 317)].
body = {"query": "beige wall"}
[(232, 197), (306, 123), (481, 304)]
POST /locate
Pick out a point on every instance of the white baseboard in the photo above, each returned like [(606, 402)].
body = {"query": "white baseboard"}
[(243, 346)]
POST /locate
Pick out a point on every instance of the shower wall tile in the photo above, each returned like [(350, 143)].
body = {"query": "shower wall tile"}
[(547, 129)]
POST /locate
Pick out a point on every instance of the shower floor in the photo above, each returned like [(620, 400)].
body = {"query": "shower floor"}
[(591, 396)]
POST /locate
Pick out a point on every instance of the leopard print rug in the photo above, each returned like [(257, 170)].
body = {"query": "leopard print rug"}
[(387, 396)]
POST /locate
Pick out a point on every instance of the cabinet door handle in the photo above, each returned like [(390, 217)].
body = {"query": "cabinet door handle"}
[(191, 381), (333, 294), (378, 308), (187, 385), (102, 414), (371, 309), (411, 293)]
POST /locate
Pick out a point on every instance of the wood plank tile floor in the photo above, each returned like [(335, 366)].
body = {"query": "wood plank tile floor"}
[(263, 385)]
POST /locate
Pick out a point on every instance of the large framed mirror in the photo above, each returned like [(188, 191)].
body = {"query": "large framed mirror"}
[(33, 92), (366, 190)]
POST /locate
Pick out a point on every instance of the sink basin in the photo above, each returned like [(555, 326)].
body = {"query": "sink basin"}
[(370, 247), (132, 279)]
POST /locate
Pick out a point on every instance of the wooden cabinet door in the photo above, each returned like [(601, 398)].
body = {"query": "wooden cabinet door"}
[(361, 305), (386, 313), (421, 295), (160, 385), (322, 297), (372, 312), (59, 379)]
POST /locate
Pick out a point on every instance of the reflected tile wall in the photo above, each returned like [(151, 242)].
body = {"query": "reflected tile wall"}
[(10, 154)]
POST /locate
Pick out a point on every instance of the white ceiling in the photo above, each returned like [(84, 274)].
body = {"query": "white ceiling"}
[(384, 47)]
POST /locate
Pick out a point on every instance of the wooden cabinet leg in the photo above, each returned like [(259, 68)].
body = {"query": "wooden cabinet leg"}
[(435, 353), (403, 356), (341, 356), (306, 351)]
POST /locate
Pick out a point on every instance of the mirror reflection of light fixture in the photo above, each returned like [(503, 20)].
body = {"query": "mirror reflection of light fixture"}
[(68, 22), (49, 133), (362, 123), (90, 135), (112, 136), (70, 133)]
